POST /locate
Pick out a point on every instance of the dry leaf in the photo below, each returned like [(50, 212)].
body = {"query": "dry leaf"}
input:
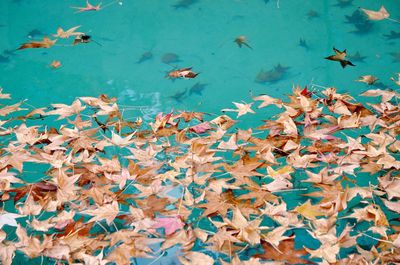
[(376, 15), (45, 43)]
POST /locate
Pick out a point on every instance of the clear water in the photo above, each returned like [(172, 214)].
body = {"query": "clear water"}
[(203, 36)]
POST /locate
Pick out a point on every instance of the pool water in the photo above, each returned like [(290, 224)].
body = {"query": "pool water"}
[(200, 34)]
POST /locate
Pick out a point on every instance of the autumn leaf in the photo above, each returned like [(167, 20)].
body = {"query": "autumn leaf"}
[(45, 43), (370, 213), (55, 64), (368, 79), (196, 258), (376, 15), (248, 230), (309, 211), (326, 252), (285, 252), (9, 219), (242, 108), (267, 100), (223, 121), (67, 33), (230, 144), (170, 224), (64, 110), (120, 141), (107, 212), (4, 111), (385, 94), (200, 128)]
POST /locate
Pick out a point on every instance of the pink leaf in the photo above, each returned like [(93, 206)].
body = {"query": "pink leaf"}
[(170, 224), (201, 128)]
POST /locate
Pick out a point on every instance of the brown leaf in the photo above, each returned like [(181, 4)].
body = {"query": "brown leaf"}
[(45, 43), (287, 253)]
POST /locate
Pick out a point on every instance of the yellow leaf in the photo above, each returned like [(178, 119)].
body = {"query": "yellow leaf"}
[(308, 210)]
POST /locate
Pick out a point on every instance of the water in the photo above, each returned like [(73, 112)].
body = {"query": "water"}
[(202, 35)]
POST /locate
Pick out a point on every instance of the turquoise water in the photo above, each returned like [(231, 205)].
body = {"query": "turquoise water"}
[(202, 35)]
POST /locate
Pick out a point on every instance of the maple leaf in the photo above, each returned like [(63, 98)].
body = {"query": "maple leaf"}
[(184, 237), (88, 7), (275, 236), (7, 253), (44, 225), (29, 207), (393, 206), (301, 161), (188, 116), (64, 34), (368, 79), (242, 108), (92, 260), (196, 258), (9, 219), (267, 100), (153, 204), (285, 252), (222, 236), (121, 254), (376, 15), (230, 144), (4, 96), (107, 212), (385, 94), (58, 251), (4, 111), (248, 231), (308, 210), (391, 186), (388, 161), (45, 43), (170, 224), (55, 64), (65, 110), (215, 203), (289, 127), (28, 135), (201, 128), (121, 142), (395, 80), (370, 213), (326, 252), (278, 184), (223, 121)]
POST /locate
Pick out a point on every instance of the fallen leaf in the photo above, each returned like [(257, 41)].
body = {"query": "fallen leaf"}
[(242, 108), (107, 212), (45, 43), (67, 33), (376, 15), (55, 64), (170, 224), (195, 258), (9, 219), (309, 211)]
